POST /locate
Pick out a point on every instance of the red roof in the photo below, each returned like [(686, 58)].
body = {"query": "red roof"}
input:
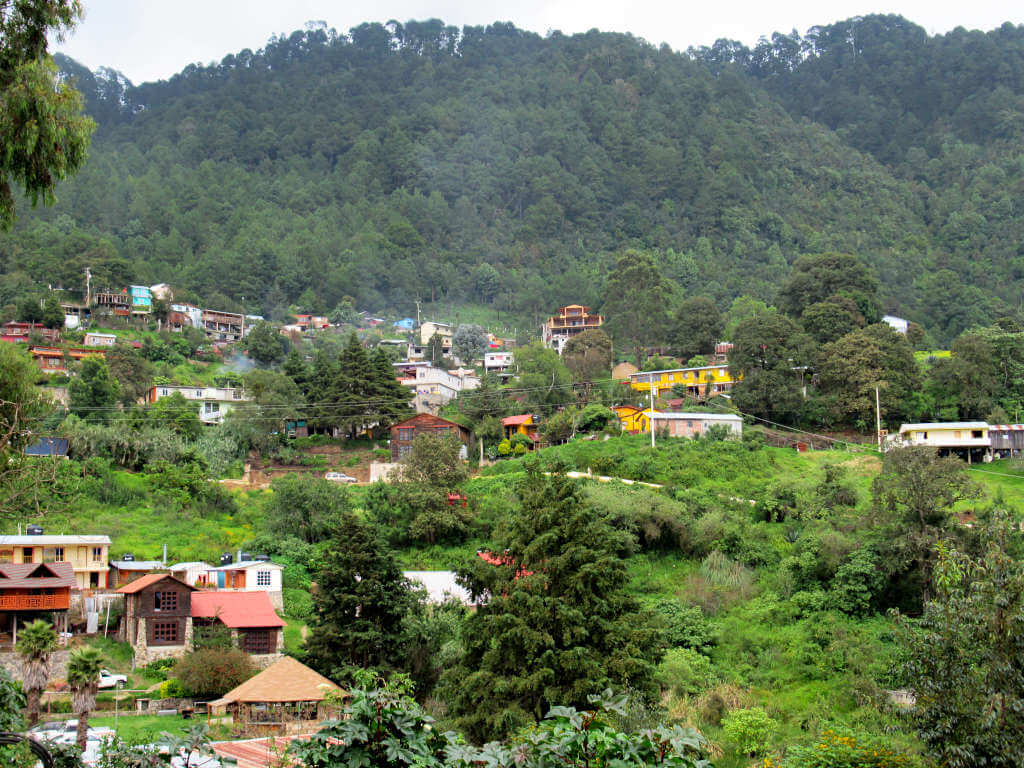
[(506, 560), (144, 581), (515, 421), (238, 610)]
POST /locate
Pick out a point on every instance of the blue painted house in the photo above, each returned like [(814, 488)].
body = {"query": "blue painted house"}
[(142, 298)]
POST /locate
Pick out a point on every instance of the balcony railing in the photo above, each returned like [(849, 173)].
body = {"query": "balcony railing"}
[(34, 602)]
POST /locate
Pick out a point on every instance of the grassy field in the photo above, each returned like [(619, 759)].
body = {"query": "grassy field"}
[(150, 729)]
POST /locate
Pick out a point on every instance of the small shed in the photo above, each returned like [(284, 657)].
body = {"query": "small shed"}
[(285, 697)]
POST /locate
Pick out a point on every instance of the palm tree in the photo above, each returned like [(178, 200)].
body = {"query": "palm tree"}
[(84, 667), (35, 643)]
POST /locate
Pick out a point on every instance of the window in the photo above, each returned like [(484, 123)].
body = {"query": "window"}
[(262, 578), (97, 553), (199, 393), (165, 631), (53, 554), (924, 435), (956, 434), (165, 601), (163, 393), (404, 450), (257, 641), (442, 431), (6, 555), (976, 433), (405, 434)]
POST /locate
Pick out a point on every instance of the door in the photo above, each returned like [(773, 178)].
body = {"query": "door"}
[(220, 579)]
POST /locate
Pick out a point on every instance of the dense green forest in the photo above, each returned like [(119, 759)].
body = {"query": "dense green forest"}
[(495, 166)]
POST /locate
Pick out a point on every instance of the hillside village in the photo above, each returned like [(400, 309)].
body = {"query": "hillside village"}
[(443, 398), (414, 419)]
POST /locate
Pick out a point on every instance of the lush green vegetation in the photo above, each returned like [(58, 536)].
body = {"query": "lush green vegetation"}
[(494, 167)]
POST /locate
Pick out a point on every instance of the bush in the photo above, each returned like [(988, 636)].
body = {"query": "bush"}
[(213, 671), (856, 583), (684, 671), (298, 604), (158, 669), (686, 626), (749, 730), (173, 689)]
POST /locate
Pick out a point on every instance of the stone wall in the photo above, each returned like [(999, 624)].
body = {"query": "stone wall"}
[(147, 654), (11, 662)]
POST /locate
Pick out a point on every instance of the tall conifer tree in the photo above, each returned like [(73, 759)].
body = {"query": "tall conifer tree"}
[(558, 623)]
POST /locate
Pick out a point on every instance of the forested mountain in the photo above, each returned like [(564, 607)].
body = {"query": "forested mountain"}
[(493, 165)]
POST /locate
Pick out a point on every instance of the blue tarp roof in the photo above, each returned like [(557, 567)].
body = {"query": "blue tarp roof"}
[(48, 446)]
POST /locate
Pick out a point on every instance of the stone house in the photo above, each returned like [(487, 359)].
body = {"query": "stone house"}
[(157, 617)]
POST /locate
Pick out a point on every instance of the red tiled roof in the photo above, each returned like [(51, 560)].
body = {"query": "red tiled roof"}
[(18, 575), (506, 560), (238, 610), (150, 578), (515, 421)]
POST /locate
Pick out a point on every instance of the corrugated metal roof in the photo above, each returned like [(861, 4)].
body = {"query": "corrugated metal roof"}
[(44, 539), (945, 425), (136, 565), (246, 564), (697, 416), (48, 446)]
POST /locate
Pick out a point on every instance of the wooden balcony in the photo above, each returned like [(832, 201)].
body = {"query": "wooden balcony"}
[(34, 602)]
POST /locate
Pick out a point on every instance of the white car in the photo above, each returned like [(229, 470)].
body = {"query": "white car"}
[(109, 680), (340, 477), (65, 732)]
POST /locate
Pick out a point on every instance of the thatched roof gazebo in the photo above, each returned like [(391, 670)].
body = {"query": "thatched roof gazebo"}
[(286, 697)]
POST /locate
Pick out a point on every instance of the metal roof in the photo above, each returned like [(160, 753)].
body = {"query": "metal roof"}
[(44, 539), (136, 565), (697, 416), (945, 425), (246, 564), (48, 446)]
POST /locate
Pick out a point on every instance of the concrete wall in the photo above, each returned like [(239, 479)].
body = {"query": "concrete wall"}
[(11, 662)]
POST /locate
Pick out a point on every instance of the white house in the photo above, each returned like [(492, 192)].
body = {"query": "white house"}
[(896, 323), (497, 362), (444, 330), (192, 573), (440, 585), (100, 340), (967, 438), (249, 576), (433, 387), (214, 402)]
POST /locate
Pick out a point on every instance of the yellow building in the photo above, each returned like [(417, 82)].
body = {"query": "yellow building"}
[(634, 420), (703, 382), (88, 555)]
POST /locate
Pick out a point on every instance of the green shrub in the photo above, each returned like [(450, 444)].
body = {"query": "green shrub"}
[(684, 671), (686, 626), (856, 583), (298, 604), (172, 689), (158, 669), (749, 730)]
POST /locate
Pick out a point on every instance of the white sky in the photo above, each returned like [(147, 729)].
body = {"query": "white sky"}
[(153, 39)]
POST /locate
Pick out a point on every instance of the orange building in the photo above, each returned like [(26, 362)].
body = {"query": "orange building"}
[(570, 321)]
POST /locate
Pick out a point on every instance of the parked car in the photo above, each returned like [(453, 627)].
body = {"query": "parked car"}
[(65, 732), (340, 477), (109, 680)]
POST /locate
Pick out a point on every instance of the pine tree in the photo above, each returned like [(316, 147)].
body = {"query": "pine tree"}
[(295, 368), (360, 602), (352, 391), (391, 398), (318, 388), (558, 623)]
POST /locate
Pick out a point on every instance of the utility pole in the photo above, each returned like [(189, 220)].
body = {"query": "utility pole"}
[(417, 313), (650, 381), (878, 418), (88, 280)]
